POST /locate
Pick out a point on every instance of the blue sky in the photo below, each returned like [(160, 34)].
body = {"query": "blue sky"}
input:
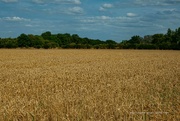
[(97, 19)]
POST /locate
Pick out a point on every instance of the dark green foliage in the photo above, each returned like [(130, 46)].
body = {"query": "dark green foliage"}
[(8, 43), (46, 35), (110, 44), (24, 41), (170, 40), (135, 40), (36, 41)]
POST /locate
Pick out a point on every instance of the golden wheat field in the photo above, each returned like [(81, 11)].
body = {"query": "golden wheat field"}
[(89, 85)]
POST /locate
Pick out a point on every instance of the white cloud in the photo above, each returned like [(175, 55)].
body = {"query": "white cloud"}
[(15, 19), (33, 24), (29, 25), (158, 25), (105, 6), (107, 19), (77, 2), (9, 1), (38, 1), (131, 14), (156, 2), (75, 10), (102, 9), (67, 1)]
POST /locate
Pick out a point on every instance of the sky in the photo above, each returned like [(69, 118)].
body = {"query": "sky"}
[(96, 19)]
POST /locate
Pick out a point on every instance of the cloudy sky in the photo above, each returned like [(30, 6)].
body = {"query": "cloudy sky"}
[(98, 19)]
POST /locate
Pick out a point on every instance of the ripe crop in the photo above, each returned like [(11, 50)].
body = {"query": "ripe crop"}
[(89, 85)]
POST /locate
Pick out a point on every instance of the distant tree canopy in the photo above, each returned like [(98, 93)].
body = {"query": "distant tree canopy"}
[(170, 40)]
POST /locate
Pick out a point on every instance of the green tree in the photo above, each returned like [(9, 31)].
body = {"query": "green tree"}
[(64, 40), (10, 43), (147, 39), (46, 35), (111, 44), (176, 38), (76, 39), (135, 40), (169, 36), (37, 41), (24, 41), (2, 43), (158, 38)]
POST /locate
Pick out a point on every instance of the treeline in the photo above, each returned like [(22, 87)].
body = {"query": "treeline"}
[(48, 40), (170, 40)]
